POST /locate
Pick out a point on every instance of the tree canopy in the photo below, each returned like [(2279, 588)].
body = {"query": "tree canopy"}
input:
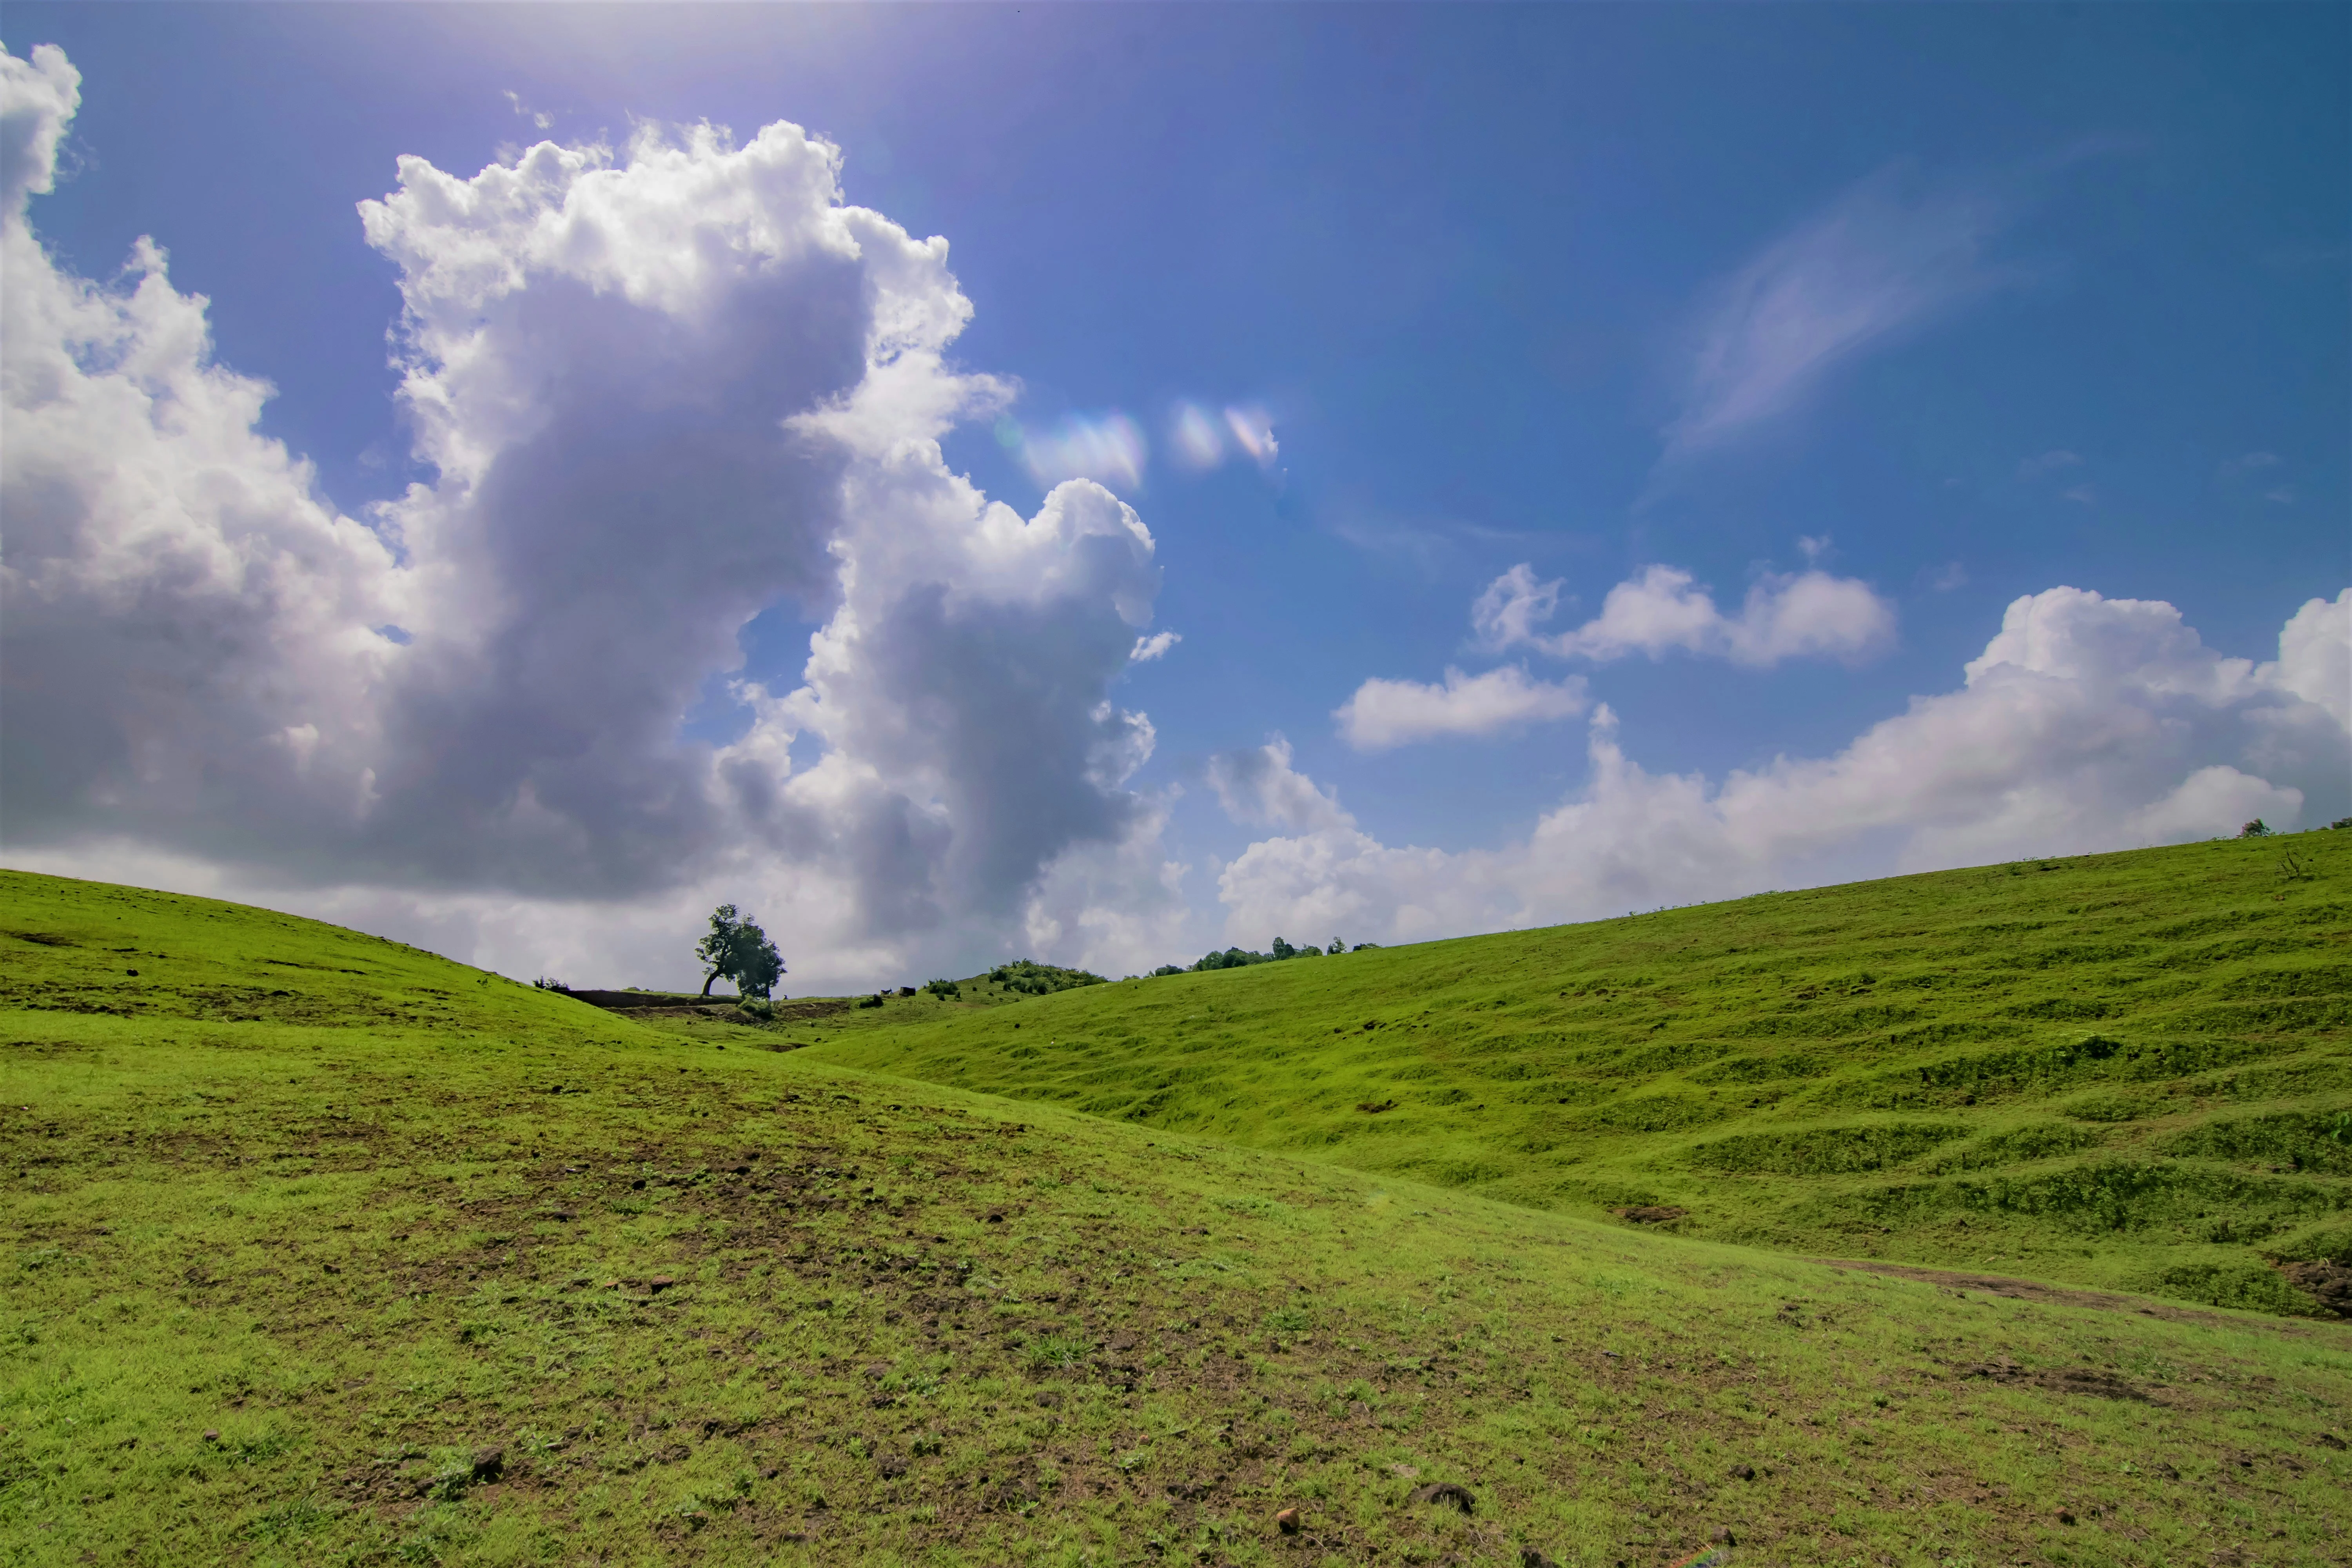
[(735, 949)]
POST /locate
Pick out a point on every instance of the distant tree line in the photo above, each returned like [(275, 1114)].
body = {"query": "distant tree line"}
[(1241, 958), (1032, 979)]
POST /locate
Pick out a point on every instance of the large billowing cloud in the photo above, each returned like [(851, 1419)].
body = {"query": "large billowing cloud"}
[(661, 390), (2086, 724)]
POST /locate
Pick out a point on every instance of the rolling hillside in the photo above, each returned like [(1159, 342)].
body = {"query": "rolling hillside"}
[(2130, 1070), (324, 1251)]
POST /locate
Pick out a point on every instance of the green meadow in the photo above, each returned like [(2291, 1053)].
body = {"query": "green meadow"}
[(322, 1250), (2130, 1072)]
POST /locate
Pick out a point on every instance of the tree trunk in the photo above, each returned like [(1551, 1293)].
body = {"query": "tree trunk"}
[(706, 982)]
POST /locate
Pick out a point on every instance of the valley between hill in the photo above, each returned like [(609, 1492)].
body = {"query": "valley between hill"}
[(325, 1250)]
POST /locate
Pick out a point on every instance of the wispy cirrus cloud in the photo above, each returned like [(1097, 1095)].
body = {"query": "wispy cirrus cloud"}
[(1882, 260)]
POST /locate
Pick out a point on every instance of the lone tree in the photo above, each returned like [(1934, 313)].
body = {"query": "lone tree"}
[(738, 950)]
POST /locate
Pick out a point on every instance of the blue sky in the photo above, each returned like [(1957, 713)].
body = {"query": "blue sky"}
[(1951, 305)]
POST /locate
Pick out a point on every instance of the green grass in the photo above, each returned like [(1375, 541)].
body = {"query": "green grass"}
[(2128, 1070), (322, 1250)]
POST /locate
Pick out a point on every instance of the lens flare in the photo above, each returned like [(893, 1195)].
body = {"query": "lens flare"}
[(1194, 433), (1254, 433), (1105, 447)]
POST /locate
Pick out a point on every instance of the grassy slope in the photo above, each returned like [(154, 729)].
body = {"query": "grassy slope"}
[(298, 1223), (2129, 1069)]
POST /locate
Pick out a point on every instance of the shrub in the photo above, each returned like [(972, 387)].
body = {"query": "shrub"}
[(549, 983), (946, 990), (873, 1001), (2257, 829)]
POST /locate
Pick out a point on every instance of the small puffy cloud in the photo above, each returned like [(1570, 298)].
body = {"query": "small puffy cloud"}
[(1510, 609), (2048, 463), (1812, 547), (2249, 463), (2086, 724), (2081, 495), (1943, 579), (2282, 496), (1259, 788), (1881, 261), (1807, 614), (1386, 713), (1106, 447), (1155, 645)]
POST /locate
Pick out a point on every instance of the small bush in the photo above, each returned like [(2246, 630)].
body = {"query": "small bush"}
[(2257, 829), (945, 990), (2251, 1286), (549, 983), (873, 1001)]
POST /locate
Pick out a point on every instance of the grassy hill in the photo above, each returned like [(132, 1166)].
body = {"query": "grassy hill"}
[(324, 1251), (2130, 1070)]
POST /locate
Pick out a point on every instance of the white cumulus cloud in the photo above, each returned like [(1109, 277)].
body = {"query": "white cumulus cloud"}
[(1808, 614), (2086, 724), (1386, 713), (1259, 788), (1155, 645), (661, 389)]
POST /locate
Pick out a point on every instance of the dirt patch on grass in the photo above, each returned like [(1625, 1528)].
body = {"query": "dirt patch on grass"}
[(2328, 1283), (2097, 1381)]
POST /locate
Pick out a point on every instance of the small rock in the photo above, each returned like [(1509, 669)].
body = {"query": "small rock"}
[(489, 1464), (1286, 1522), (1724, 1537), (2066, 1516), (1448, 1493), (660, 1282), (891, 1466), (1743, 1472), (1531, 1558), (212, 1434)]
